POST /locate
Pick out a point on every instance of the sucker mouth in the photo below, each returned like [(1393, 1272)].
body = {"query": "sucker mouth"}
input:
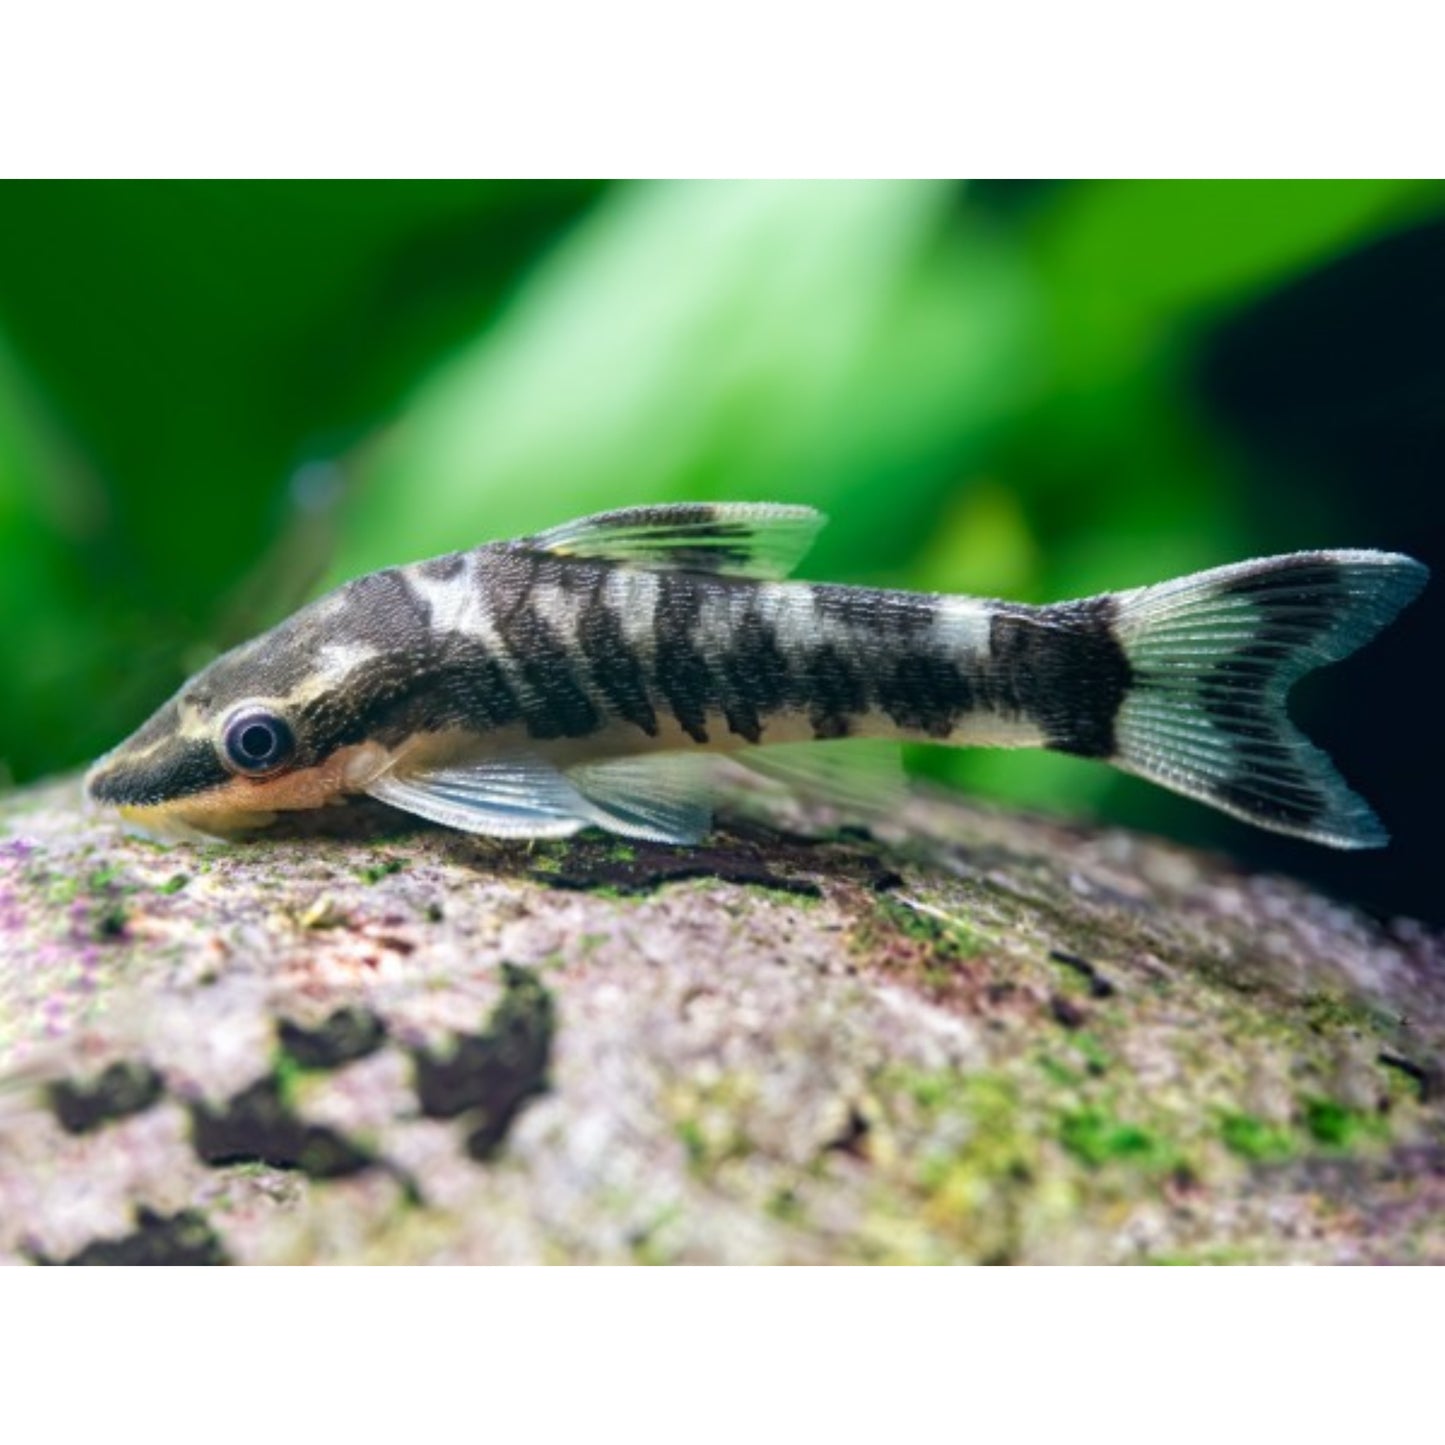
[(180, 790), (160, 825), (173, 825)]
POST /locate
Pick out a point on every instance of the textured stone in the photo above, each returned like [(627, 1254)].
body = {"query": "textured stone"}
[(973, 1037)]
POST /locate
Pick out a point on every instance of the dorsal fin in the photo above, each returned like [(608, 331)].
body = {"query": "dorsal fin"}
[(761, 540)]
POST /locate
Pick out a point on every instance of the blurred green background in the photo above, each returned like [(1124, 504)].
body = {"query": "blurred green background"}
[(216, 398)]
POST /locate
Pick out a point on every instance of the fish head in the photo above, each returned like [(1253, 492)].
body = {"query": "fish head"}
[(271, 726)]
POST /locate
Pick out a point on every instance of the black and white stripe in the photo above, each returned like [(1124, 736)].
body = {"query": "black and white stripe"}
[(588, 646), (1064, 668), (1213, 657), (1184, 683)]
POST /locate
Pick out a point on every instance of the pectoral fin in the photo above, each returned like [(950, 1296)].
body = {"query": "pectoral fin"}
[(511, 796), (664, 797)]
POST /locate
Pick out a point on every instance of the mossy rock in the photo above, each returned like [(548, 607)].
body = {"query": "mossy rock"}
[(973, 1037)]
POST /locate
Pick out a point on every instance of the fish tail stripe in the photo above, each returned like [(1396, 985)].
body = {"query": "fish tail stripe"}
[(1063, 668), (1212, 659)]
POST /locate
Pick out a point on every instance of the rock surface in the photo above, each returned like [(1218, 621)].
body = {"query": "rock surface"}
[(973, 1037)]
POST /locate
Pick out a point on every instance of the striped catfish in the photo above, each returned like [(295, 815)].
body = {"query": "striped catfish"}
[(593, 674)]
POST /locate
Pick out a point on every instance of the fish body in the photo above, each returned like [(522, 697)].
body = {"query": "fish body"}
[(594, 674)]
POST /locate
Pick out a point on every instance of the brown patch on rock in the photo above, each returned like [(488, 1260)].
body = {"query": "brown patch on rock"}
[(257, 1126), (348, 1033), (641, 868), (121, 1089), (185, 1238), (490, 1075)]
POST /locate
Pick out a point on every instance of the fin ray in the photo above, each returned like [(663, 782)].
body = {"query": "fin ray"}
[(662, 797), (1213, 657), (860, 775), (759, 540), (509, 796)]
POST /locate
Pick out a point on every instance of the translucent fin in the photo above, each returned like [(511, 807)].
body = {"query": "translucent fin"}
[(664, 797), (511, 796), (735, 539), (1212, 658), (669, 797), (859, 775)]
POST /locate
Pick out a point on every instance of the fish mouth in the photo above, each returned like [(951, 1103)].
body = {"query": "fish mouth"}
[(184, 791), (171, 824), (176, 799), (178, 788), (190, 818), (172, 789)]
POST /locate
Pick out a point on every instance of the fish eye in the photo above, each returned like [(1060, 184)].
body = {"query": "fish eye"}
[(256, 740)]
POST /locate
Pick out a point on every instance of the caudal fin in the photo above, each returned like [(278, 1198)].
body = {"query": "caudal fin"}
[(1212, 658)]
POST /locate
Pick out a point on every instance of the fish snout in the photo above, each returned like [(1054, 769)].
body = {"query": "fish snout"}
[(155, 774)]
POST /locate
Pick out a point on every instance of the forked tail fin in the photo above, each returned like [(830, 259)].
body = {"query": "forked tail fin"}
[(1212, 658)]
